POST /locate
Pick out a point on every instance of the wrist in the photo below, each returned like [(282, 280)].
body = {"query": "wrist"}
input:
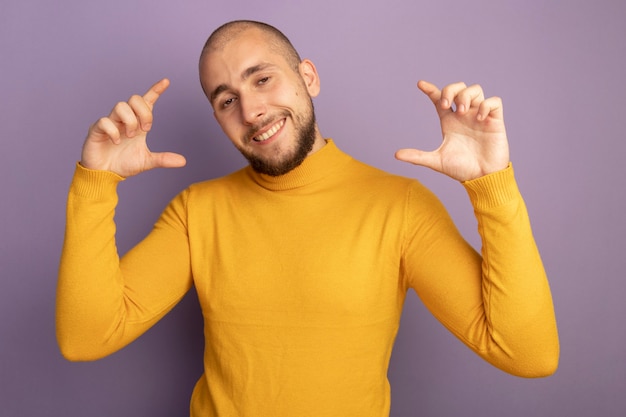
[(493, 189)]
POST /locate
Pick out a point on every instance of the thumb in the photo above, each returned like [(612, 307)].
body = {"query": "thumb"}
[(167, 160), (417, 157)]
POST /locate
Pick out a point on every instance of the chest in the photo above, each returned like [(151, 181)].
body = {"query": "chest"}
[(298, 259)]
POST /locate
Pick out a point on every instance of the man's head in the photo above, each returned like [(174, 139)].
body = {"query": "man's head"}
[(261, 93), (276, 40)]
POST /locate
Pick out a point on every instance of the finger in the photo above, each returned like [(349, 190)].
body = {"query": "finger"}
[(126, 119), (449, 93), (468, 97), (417, 157), (434, 94), (166, 160), (105, 129), (430, 90), (153, 94), (491, 107), (142, 110)]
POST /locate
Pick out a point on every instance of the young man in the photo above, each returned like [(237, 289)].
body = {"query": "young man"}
[(302, 260)]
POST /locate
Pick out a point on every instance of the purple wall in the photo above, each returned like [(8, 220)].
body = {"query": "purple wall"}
[(559, 67)]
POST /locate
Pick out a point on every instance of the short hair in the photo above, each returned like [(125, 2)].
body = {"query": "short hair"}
[(278, 42)]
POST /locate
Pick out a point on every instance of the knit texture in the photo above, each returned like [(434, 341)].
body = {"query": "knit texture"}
[(302, 279)]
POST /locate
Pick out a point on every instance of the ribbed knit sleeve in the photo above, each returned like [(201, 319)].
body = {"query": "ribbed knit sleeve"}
[(103, 303), (497, 302)]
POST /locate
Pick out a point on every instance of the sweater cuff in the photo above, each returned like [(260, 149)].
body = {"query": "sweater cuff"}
[(493, 190), (93, 184)]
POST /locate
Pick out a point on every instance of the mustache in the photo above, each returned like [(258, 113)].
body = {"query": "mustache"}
[(267, 121)]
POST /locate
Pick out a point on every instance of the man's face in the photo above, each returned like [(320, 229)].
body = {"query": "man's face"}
[(262, 104)]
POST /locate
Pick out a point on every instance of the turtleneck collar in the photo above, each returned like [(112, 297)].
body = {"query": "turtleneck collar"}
[(315, 167)]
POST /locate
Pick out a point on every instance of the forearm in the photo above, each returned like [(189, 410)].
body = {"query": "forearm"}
[(90, 287), (519, 314), (498, 304), (100, 305)]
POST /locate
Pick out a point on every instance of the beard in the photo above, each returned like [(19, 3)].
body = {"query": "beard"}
[(306, 134)]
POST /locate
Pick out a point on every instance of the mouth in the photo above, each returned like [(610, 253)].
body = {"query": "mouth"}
[(269, 132)]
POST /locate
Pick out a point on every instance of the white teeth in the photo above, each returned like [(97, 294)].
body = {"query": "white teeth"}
[(265, 136)]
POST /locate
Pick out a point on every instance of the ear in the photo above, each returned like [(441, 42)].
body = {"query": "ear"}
[(308, 72)]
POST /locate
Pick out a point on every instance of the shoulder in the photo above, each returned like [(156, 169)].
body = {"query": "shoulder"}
[(384, 181), (209, 191), (213, 185)]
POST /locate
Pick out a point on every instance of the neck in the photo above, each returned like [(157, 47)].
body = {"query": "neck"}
[(319, 143), (318, 165)]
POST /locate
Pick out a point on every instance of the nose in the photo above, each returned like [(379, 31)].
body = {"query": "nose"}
[(252, 108)]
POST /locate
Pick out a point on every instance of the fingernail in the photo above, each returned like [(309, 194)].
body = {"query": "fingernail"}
[(147, 126), (444, 103)]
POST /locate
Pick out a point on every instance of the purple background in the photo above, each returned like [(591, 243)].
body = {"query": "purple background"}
[(559, 67)]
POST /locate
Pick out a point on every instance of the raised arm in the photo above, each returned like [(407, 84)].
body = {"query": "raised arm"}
[(103, 303), (498, 303)]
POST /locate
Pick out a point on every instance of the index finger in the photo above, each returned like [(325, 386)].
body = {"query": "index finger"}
[(153, 94), (434, 94), (430, 90)]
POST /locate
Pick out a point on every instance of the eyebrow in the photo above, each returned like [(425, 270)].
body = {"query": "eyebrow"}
[(247, 73)]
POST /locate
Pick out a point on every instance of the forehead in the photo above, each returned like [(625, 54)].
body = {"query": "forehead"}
[(229, 61)]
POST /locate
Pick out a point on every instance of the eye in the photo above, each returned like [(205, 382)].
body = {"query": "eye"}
[(228, 102), (263, 80)]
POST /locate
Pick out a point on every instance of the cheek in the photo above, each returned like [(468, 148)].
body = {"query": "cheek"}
[(228, 125), (226, 119), (221, 122)]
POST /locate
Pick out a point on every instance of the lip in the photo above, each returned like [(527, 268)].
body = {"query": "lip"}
[(280, 123)]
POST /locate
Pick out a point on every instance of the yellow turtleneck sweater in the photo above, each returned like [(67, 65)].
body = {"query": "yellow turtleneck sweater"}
[(302, 278)]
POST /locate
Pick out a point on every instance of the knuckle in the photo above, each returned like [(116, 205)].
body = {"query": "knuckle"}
[(103, 125), (102, 122), (120, 109), (135, 99), (458, 86), (140, 107), (454, 89)]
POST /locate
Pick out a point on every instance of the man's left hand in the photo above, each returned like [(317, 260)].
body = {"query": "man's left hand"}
[(474, 138)]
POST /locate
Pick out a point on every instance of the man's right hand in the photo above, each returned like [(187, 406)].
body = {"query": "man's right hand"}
[(117, 143)]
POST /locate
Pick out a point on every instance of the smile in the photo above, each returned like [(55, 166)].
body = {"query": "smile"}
[(270, 132)]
